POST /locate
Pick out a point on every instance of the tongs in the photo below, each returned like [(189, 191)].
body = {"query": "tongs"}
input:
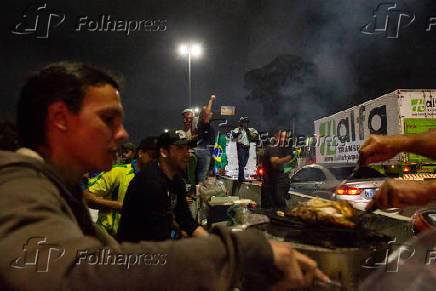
[(331, 284)]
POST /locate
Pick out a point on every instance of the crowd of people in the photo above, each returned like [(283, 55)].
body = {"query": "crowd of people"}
[(62, 108), (70, 123)]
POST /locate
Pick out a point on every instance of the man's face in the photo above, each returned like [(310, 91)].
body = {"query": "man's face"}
[(95, 132), (178, 156), (128, 155), (187, 119), (244, 124), (283, 138), (146, 156)]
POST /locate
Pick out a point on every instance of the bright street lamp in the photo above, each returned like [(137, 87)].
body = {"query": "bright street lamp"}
[(192, 50)]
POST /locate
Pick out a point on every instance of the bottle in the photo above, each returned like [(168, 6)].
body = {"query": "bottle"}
[(245, 213)]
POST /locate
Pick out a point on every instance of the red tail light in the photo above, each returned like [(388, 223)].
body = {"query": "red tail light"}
[(347, 191), (260, 171), (406, 169), (341, 191)]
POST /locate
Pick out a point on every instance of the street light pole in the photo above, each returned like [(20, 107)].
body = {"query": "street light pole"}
[(192, 50), (189, 77)]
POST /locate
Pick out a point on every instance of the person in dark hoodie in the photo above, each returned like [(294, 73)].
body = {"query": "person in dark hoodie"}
[(70, 121)]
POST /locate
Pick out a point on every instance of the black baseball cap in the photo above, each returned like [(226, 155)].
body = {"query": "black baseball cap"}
[(176, 137), (148, 143)]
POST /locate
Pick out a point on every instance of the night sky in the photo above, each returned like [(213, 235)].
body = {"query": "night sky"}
[(274, 60)]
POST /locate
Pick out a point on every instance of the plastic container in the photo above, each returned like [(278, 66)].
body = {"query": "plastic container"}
[(245, 213)]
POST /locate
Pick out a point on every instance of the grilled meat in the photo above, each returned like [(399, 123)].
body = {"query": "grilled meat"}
[(316, 210)]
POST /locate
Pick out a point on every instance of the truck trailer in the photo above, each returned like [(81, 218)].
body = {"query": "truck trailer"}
[(403, 111)]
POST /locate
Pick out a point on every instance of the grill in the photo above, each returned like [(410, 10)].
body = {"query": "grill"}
[(321, 234), (339, 251)]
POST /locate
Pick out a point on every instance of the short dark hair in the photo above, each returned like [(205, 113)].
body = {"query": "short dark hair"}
[(62, 81), (128, 146)]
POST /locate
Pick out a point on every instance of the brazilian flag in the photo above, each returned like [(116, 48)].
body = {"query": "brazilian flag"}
[(219, 150), (293, 163)]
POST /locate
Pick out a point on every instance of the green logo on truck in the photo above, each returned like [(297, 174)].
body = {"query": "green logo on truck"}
[(417, 105), (328, 147), (421, 105)]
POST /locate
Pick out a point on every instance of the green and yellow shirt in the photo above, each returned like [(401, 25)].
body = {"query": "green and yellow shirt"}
[(112, 185)]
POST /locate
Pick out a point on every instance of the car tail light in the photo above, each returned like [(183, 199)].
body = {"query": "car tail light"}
[(260, 171), (347, 191), (341, 191), (353, 191), (406, 169)]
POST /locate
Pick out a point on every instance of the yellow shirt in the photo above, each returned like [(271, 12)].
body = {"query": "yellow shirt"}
[(112, 185)]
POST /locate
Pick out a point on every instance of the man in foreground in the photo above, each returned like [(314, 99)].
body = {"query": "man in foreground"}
[(46, 234)]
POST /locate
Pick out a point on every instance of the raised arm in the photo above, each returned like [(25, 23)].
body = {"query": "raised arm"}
[(209, 105)]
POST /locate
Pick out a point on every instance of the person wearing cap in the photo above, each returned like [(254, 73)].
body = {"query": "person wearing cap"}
[(155, 207), (106, 191), (243, 136)]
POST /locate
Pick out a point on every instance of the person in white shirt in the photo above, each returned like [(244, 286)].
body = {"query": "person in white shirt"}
[(243, 135)]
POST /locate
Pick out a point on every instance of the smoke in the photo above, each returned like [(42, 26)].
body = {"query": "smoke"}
[(281, 87), (323, 64)]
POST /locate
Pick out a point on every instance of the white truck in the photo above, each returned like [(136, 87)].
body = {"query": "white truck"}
[(404, 111)]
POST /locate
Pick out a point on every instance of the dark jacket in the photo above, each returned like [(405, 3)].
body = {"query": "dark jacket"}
[(152, 204), (206, 134), (49, 243)]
